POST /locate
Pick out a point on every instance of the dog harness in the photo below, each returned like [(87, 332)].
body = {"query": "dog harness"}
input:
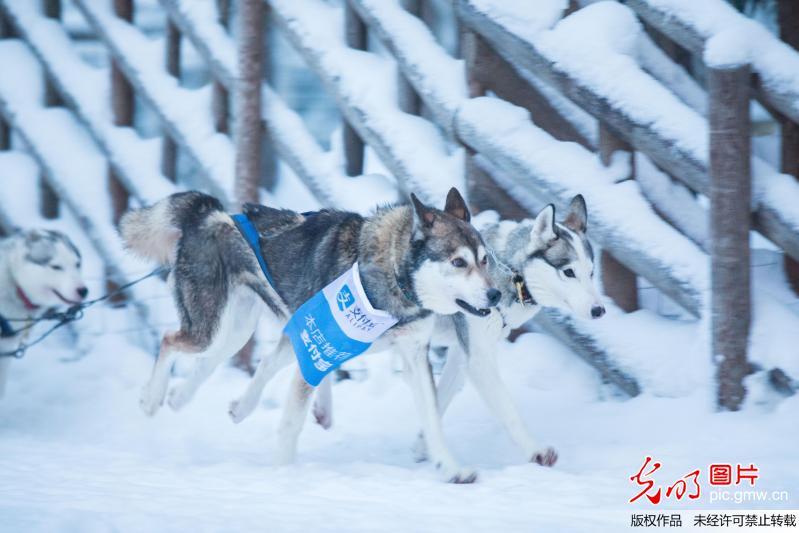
[(250, 235), (334, 325)]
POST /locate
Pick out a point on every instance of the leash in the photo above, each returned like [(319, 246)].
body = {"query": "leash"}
[(62, 318)]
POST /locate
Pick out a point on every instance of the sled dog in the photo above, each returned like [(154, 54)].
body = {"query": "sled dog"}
[(39, 270), (415, 262), (535, 263)]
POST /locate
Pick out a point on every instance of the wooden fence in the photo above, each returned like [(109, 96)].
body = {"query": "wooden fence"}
[(439, 133)]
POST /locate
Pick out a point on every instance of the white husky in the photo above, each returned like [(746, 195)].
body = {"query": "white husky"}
[(39, 270)]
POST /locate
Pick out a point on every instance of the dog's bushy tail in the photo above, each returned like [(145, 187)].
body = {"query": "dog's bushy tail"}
[(153, 232)]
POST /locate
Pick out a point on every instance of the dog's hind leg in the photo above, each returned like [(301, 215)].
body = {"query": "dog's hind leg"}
[(236, 326), (484, 373), (171, 346), (294, 413), (4, 364), (269, 365)]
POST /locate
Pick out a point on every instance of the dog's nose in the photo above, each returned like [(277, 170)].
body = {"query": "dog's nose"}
[(82, 292), (494, 296), (597, 311)]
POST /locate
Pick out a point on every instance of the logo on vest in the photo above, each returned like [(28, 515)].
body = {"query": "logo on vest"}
[(334, 325)]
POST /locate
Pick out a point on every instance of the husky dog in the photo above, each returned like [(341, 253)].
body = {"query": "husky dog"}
[(415, 261), (39, 270), (535, 263)]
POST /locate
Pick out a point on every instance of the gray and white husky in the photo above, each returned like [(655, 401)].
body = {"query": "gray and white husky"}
[(39, 270), (415, 262), (535, 263)]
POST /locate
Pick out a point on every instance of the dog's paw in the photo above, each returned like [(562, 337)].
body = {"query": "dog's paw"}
[(240, 409), (419, 449), (150, 401), (546, 457), (462, 476), (323, 417), (178, 398)]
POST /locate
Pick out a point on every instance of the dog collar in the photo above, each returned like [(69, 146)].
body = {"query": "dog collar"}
[(523, 295), (30, 306)]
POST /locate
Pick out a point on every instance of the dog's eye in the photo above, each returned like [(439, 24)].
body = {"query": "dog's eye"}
[(458, 262), (484, 260), (56, 267), (569, 273)]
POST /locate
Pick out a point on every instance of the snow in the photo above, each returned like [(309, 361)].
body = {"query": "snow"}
[(177, 107), (136, 160), (727, 49), (519, 18), (775, 62), (364, 85), (77, 454)]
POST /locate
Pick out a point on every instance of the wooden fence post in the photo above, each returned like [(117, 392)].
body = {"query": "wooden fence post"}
[(788, 19), (122, 106), (169, 148), (730, 197), (220, 99), (48, 199), (355, 30), (407, 98), (618, 282), (248, 115), (5, 131)]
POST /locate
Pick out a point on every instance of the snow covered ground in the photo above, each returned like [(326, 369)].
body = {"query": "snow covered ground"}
[(76, 454)]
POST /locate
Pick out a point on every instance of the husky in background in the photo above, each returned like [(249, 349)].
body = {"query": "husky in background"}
[(415, 261), (39, 270), (535, 263)]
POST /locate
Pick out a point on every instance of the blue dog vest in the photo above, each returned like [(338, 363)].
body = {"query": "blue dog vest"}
[(334, 325)]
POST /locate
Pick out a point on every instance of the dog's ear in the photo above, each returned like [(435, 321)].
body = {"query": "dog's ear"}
[(425, 216), (544, 224), (456, 205), (577, 219)]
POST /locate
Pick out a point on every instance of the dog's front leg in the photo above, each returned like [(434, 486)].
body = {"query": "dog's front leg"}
[(450, 382), (420, 379), (294, 413), (268, 366), (484, 373)]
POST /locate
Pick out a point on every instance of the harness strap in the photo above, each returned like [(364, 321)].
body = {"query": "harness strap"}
[(5, 328), (250, 235)]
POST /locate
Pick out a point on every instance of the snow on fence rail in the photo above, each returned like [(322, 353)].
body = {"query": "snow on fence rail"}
[(140, 60), (287, 131), (671, 133), (413, 149), (692, 24), (133, 159)]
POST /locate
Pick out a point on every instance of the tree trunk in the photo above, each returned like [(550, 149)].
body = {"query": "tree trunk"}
[(730, 197)]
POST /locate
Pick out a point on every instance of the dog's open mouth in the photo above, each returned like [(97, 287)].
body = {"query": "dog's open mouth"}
[(66, 301), (471, 309)]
